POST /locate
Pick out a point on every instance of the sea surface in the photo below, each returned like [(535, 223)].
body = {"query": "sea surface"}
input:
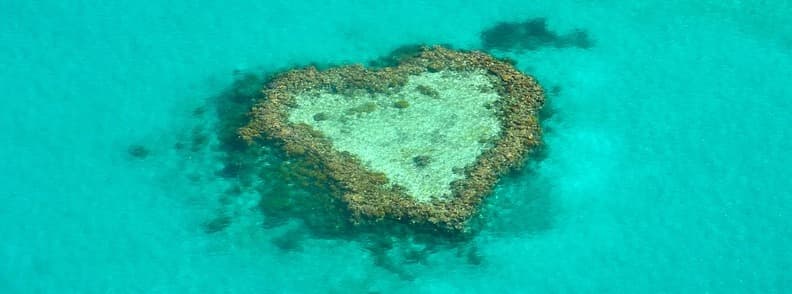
[(666, 166)]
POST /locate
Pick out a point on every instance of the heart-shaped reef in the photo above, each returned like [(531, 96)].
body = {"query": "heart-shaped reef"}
[(423, 141)]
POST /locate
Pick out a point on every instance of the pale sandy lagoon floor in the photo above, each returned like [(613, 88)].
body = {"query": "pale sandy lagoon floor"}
[(450, 130)]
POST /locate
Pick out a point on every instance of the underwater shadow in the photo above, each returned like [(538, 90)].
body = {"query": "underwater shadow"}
[(529, 35)]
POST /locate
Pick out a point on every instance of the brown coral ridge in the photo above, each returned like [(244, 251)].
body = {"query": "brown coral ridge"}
[(364, 191)]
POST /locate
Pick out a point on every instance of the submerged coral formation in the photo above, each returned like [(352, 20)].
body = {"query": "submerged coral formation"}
[(423, 141), (531, 34)]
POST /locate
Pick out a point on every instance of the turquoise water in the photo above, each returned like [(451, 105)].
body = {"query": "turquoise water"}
[(667, 164)]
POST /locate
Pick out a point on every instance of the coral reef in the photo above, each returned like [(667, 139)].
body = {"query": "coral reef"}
[(277, 190), (372, 195)]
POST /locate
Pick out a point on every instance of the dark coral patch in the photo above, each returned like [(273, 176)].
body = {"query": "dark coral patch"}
[(138, 151), (289, 241), (216, 224), (421, 160), (531, 34)]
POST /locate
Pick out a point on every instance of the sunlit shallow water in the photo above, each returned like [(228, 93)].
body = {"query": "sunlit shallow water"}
[(665, 168)]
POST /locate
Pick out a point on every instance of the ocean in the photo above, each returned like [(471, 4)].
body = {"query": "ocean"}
[(666, 163)]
